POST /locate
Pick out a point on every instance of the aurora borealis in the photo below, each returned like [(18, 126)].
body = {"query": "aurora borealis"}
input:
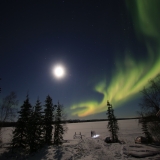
[(110, 50), (131, 76)]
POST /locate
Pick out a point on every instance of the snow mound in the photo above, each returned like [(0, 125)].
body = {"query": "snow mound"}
[(140, 151)]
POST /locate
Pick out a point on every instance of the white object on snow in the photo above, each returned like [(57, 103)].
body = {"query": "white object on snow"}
[(95, 136)]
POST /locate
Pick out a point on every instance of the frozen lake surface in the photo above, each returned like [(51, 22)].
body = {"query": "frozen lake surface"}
[(126, 127)]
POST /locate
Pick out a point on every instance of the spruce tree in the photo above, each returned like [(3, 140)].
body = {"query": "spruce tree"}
[(39, 121), (35, 128), (20, 134), (112, 123), (48, 119), (58, 129)]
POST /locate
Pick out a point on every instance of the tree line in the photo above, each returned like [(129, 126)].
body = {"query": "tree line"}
[(34, 127)]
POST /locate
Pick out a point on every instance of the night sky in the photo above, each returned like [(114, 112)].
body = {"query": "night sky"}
[(110, 50)]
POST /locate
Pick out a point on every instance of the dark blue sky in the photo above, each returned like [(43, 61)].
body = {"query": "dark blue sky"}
[(88, 37)]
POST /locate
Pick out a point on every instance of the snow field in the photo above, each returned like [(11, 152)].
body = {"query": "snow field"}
[(89, 148)]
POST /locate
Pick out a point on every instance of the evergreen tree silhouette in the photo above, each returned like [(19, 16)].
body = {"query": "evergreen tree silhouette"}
[(48, 119), (58, 129), (20, 134), (112, 123), (35, 128)]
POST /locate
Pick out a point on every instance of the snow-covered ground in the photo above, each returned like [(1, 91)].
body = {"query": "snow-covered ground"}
[(89, 148)]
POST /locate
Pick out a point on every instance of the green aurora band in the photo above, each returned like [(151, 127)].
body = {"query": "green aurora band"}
[(131, 75)]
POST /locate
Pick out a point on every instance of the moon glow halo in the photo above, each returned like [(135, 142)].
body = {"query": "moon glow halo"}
[(59, 71)]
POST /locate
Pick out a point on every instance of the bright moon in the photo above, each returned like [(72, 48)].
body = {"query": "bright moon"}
[(59, 71)]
